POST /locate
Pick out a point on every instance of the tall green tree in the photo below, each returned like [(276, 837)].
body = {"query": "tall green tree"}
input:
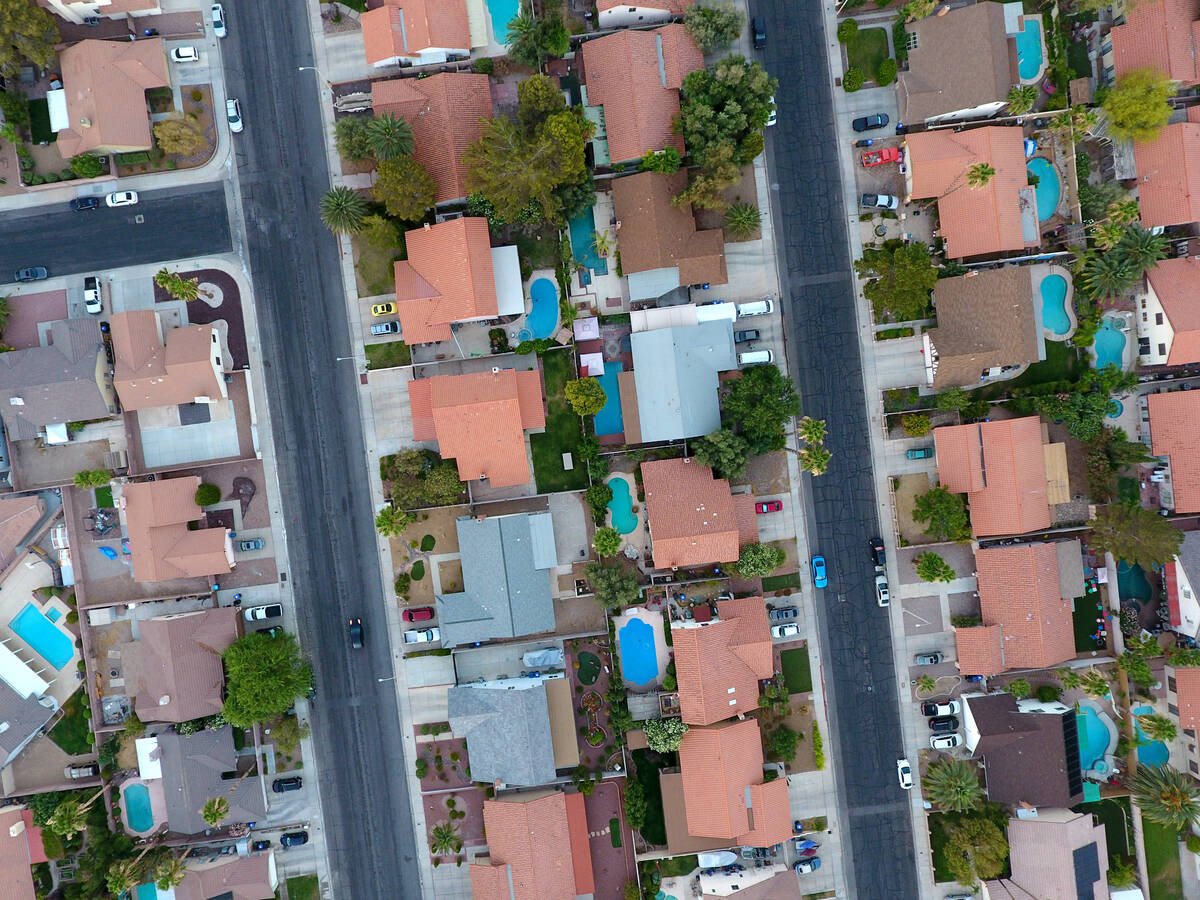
[(952, 784), (352, 136), (979, 174), (726, 103), (586, 396), (714, 26), (1021, 99), (180, 288), (706, 185), (781, 743), (93, 478), (901, 279), (931, 567), (391, 521), (757, 560), (123, 876), (1135, 534), (724, 451), (1138, 107), (533, 39), (664, 735), (635, 805), (1141, 249), (977, 850), (1157, 728), (404, 187), (666, 161), (944, 514), (538, 98), (389, 137), (15, 108), (613, 585), (758, 406), (28, 33), (342, 210), (815, 460), (810, 430), (264, 675), (607, 542), (1166, 796)]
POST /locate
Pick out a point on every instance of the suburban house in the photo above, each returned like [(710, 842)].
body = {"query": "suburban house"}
[(75, 11), (20, 514), (694, 520), (184, 365), (987, 324), (1057, 854), (480, 421), (661, 249), (615, 14), (161, 546), (675, 377), (507, 564), (776, 882), (454, 274), (173, 669), (1168, 174), (1173, 434), (538, 849), (719, 663), (416, 32), (1030, 749), (253, 877), (1001, 467), (1155, 34), (20, 849), (1182, 579), (519, 731), (998, 217), (1183, 705), (101, 107), (961, 63), (635, 76), (1025, 603), (25, 704), (445, 112), (1169, 321)]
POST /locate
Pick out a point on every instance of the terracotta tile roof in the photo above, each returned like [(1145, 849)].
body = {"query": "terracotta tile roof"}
[(105, 84), (636, 76), (1168, 167), (1159, 34), (538, 848), (692, 517), (1176, 283), (447, 278), (653, 233), (480, 420), (973, 221), (1002, 469), (1174, 432), (16, 877), (156, 514), (179, 658), (1187, 690), (408, 27), (1024, 614), (445, 112), (674, 7), (718, 665), (770, 815), (149, 374)]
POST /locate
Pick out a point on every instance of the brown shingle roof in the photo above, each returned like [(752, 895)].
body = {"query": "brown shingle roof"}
[(160, 545), (636, 76), (1159, 34), (245, 878), (1174, 432), (692, 516), (149, 374), (983, 320), (178, 659), (1168, 168), (1176, 283), (447, 277), (445, 113), (408, 27), (718, 665), (1187, 690), (1058, 854), (653, 233)]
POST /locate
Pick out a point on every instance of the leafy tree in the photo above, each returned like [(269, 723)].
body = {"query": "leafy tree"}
[(724, 451), (87, 166), (815, 460), (916, 424), (846, 30), (598, 497), (1166, 796), (1021, 99), (758, 405), (1157, 728), (391, 521), (810, 430), (976, 849), (15, 108), (666, 161), (264, 675), (1020, 688), (352, 136), (380, 232), (614, 585), (635, 803), (1138, 107), (1122, 873), (607, 542), (953, 785), (1136, 535), (954, 399), (538, 98), (1183, 656), (714, 27), (404, 187), (389, 137), (207, 495), (342, 210), (180, 288), (586, 396), (631, 891), (757, 560), (979, 174), (917, 9), (931, 567), (532, 39), (706, 186), (781, 743), (93, 478), (178, 134), (444, 839), (943, 513), (900, 279), (664, 735), (886, 73), (742, 221), (725, 103), (27, 34), (442, 484), (1048, 693)]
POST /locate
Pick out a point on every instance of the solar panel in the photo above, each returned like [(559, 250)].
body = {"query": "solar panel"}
[(1087, 871), (1071, 750)]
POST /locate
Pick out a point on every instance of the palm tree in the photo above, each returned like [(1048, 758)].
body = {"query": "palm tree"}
[(811, 431), (444, 839), (342, 210), (1105, 274), (601, 243), (122, 876), (979, 174), (215, 810), (68, 819), (1021, 99), (1166, 796), (953, 785), (815, 460), (1108, 234), (742, 220), (1157, 728), (1094, 682), (926, 684), (521, 25), (169, 872), (389, 137), (1141, 249), (186, 289), (1124, 212)]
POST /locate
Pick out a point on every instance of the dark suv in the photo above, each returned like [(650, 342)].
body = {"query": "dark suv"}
[(878, 554), (294, 838), (759, 33), (943, 724), (284, 785), (782, 614)]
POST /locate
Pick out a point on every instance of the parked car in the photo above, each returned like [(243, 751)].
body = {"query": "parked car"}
[(91, 770), (882, 156), (769, 506), (233, 113), (383, 309), (755, 308), (82, 203), (758, 32), (293, 838), (791, 629), (385, 328), (919, 453), (942, 708), (419, 614), (286, 785), (904, 773), (185, 55), (31, 273), (92, 301), (258, 613), (943, 724), (878, 554), (422, 636), (820, 579), (749, 334), (928, 659), (218, 20), (882, 596), (252, 544), (782, 613), (356, 633), (870, 123), (773, 115), (804, 866), (879, 201), (944, 741), (755, 357), (261, 845), (121, 198)]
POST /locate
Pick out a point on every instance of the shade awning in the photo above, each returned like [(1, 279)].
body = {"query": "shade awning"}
[(56, 101)]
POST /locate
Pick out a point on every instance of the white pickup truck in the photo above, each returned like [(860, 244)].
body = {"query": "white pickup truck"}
[(93, 300)]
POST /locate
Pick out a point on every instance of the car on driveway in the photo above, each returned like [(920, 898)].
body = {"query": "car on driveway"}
[(218, 20), (759, 33), (882, 596), (769, 506), (258, 613), (791, 629), (252, 544), (31, 273), (919, 453), (185, 55), (943, 724), (879, 201), (286, 785), (804, 866), (121, 198), (81, 203), (419, 614), (878, 554), (92, 302), (422, 636), (943, 708), (383, 309), (748, 334), (820, 579), (870, 123), (233, 113), (782, 613), (928, 659), (356, 633), (904, 773), (293, 838), (944, 741)]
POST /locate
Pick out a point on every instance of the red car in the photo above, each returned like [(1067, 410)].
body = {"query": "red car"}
[(881, 156), (420, 614), (768, 507)]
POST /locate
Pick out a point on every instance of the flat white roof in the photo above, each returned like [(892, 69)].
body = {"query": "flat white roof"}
[(56, 101), (149, 765), (506, 272), (19, 676)]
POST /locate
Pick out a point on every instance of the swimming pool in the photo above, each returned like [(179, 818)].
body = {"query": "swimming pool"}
[(1110, 344), (582, 246), (1093, 739), (639, 662), (54, 615), (1132, 582), (137, 808), (543, 317), (1054, 304), (502, 12), (1117, 408), (620, 507), (609, 420), (1149, 753), (1048, 188), (1029, 50), (47, 641)]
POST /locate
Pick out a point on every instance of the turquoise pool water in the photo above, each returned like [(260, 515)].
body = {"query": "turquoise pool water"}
[(620, 507), (543, 318), (1132, 582), (54, 615), (146, 892), (1029, 50), (639, 662), (1093, 738), (1150, 753), (609, 420), (43, 636), (1048, 187), (1110, 344), (137, 807), (1117, 408), (584, 249), (502, 12), (1054, 304)]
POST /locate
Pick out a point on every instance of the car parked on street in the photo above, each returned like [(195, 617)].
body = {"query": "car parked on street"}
[(782, 613), (878, 553), (904, 773), (233, 113), (259, 613), (820, 579), (93, 303), (882, 595), (940, 708), (791, 629), (928, 659), (383, 309), (185, 55), (944, 741), (919, 453), (121, 198), (870, 123), (943, 724), (293, 838), (79, 204), (31, 273), (879, 201), (218, 20), (422, 636), (773, 115), (356, 634), (748, 334), (759, 33), (286, 785), (768, 506), (252, 544), (419, 614)]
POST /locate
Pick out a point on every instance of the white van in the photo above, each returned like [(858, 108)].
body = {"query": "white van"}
[(755, 357), (757, 308)]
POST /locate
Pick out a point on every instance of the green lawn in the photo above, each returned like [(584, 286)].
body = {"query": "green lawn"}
[(678, 865), (563, 430), (797, 672), (1062, 363), (1128, 491), (1162, 861), (303, 887), (538, 250), (387, 355), (1084, 619), (937, 844), (655, 829), (1114, 814), (39, 122), (104, 497), (781, 582), (71, 732), (867, 50), (375, 267)]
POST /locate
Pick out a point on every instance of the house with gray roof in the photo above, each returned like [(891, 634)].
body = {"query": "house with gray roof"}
[(676, 374), (25, 705), (506, 565), (1058, 854), (507, 726), (198, 766)]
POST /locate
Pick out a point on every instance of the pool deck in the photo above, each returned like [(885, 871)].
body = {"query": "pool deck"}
[(18, 590), (158, 804), (639, 537), (1041, 72), (662, 653), (1041, 271)]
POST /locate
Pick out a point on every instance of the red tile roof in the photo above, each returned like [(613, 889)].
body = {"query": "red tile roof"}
[(16, 875), (636, 76), (692, 515), (160, 545), (1168, 168), (718, 665), (479, 420), (980, 650), (1002, 468), (445, 113), (408, 27), (1175, 432), (447, 278), (1159, 34), (1187, 690), (1176, 283)]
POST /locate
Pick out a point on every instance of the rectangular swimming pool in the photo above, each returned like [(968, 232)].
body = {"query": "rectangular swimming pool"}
[(47, 640), (582, 246), (609, 419), (502, 12)]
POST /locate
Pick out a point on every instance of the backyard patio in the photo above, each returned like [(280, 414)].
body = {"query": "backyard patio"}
[(589, 668)]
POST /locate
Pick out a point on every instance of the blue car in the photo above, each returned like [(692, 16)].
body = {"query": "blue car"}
[(819, 577)]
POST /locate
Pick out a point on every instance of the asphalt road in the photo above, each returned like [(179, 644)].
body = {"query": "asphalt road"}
[(164, 225), (321, 459), (818, 284)]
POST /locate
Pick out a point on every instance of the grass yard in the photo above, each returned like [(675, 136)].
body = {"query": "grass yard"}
[(563, 430), (39, 122), (376, 272), (538, 250), (1162, 861), (1114, 814), (678, 865), (797, 671), (867, 50), (303, 887), (1062, 363), (781, 582), (72, 731), (1084, 619), (655, 829), (388, 355), (890, 334), (1128, 491), (104, 497)]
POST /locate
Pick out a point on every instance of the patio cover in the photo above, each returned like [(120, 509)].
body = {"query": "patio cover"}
[(669, 317), (652, 284), (506, 270), (56, 100), (592, 363), (587, 328)]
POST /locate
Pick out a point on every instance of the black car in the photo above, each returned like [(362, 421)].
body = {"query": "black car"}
[(31, 273), (293, 838), (273, 631), (356, 633), (943, 724), (81, 203), (877, 552), (284, 785), (749, 334), (782, 613), (870, 123), (759, 33)]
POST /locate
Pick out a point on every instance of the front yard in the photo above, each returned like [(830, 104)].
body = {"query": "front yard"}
[(388, 355), (867, 49), (563, 430)]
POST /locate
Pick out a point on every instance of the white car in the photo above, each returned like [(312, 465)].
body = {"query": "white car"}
[(790, 629), (942, 708), (185, 55), (92, 301), (773, 115), (258, 613), (218, 20), (121, 198), (233, 112), (882, 595), (904, 773), (945, 741), (422, 636)]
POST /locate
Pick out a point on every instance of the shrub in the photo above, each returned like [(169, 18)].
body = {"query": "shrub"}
[(87, 166), (818, 747), (1048, 693), (483, 65), (1192, 842), (742, 220), (852, 80), (846, 30), (403, 582), (197, 95), (887, 73), (916, 424), (418, 570), (207, 495)]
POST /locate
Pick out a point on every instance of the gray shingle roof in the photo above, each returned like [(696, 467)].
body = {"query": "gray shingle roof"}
[(676, 370), (22, 717), (192, 767), (508, 732)]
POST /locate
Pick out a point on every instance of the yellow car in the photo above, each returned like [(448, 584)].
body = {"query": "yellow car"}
[(383, 309)]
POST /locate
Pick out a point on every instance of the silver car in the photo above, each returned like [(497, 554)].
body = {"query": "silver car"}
[(218, 20), (233, 112)]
